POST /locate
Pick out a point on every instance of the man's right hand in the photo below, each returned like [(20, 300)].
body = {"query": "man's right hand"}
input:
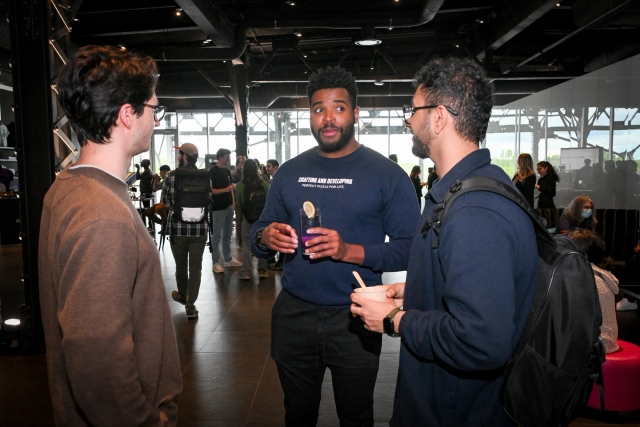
[(280, 237)]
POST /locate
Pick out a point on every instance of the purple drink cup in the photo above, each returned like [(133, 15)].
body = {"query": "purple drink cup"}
[(305, 224)]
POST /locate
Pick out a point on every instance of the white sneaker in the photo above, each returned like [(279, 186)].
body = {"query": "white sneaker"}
[(233, 263), (625, 305), (217, 268)]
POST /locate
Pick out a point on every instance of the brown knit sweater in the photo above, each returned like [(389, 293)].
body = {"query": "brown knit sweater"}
[(112, 356)]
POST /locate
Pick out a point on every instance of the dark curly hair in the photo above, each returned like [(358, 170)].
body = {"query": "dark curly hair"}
[(97, 82), (589, 243), (333, 78), (462, 85)]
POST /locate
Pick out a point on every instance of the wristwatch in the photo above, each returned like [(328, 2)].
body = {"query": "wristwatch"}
[(387, 322), (257, 241)]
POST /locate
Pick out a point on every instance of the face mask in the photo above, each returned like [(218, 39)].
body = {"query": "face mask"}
[(586, 213)]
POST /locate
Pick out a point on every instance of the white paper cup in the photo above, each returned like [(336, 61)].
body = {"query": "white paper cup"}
[(376, 293)]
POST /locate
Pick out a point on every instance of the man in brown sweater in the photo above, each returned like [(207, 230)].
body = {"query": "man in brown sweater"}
[(111, 349)]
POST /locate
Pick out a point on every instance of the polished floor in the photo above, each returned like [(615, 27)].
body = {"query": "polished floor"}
[(229, 378)]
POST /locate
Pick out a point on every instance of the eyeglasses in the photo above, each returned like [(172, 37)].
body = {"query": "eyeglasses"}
[(409, 110), (158, 111)]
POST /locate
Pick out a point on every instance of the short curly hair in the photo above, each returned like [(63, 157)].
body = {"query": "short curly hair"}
[(462, 85), (97, 82), (333, 78)]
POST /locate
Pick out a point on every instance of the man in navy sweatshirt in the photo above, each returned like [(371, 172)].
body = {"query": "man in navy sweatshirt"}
[(465, 303), (311, 327)]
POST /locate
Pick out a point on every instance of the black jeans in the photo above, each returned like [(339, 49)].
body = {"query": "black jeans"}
[(305, 340)]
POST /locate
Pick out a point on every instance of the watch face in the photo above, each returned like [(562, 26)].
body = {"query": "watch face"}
[(387, 323)]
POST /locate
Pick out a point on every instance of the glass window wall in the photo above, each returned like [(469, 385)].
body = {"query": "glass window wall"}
[(555, 135)]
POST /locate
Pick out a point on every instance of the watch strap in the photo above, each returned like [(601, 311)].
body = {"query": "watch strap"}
[(258, 243), (388, 324)]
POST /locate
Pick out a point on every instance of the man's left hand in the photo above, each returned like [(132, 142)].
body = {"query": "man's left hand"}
[(371, 312), (328, 244)]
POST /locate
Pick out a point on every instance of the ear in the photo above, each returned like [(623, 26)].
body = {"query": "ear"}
[(356, 115), (126, 116), (439, 119)]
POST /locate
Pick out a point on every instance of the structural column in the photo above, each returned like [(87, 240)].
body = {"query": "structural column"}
[(30, 22), (238, 77)]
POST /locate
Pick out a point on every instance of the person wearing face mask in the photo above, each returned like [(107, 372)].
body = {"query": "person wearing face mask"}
[(579, 214)]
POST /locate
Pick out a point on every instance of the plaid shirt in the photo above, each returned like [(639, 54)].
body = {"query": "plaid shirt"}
[(180, 228)]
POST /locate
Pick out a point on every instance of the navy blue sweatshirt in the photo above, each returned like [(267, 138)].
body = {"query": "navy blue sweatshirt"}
[(364, 197), (466, 305)]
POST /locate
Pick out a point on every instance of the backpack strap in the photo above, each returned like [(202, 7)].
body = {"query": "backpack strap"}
[(546, 245)]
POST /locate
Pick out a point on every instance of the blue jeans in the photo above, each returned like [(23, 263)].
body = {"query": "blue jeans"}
[(221, 227), (246, 250), (305, 340)]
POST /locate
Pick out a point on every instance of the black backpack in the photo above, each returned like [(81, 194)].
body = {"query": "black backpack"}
[(192, 194), (255, 198), (560, 354)]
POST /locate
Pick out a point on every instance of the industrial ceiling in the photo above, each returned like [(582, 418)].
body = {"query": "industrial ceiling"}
[(525, 45)]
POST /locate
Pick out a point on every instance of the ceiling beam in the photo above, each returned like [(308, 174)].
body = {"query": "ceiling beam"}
[(212, 83), (509, 24), (210, 18)]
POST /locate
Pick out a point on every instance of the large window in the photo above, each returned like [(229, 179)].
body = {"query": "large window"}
[(542, 133)]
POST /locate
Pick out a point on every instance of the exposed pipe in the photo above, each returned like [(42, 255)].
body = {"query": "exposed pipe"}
[(616, 54), (565, 38), (209, 53), (264, 95), (407, 20), (404, 20)]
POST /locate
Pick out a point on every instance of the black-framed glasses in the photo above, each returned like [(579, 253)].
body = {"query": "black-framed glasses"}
[(158, 111), (409, 110)]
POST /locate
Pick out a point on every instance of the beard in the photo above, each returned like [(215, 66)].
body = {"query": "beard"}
[(346, 133), (180, 162), (422, 144)]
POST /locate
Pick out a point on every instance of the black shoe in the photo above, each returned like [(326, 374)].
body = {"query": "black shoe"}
[(276, 266), (192, 313)]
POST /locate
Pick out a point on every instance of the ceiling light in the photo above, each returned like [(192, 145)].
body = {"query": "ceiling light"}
[(290, 3), (298, 33), (207, 41), (178, 12), (368, 42), (304, 56), (122, 47), (457, 45), (368, 37), (378, 83), (12, 322), (76, 19)]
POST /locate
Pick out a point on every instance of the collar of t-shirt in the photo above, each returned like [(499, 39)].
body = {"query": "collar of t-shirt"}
[(99, 168)]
